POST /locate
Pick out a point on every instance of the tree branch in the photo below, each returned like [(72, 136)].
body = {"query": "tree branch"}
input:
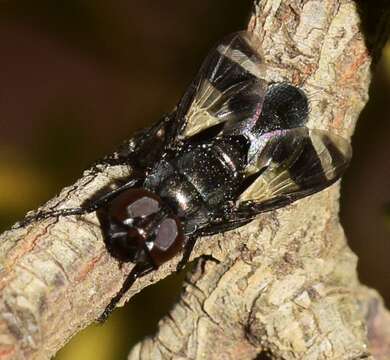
[(285, 283)]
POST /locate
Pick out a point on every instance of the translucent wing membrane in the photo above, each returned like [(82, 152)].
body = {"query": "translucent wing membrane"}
[(294, 163), (228, 88)]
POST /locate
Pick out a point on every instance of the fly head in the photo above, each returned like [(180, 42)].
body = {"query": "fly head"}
[(139, 227)]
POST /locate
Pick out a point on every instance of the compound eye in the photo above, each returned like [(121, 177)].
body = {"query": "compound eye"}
[(166, 234), (168, 240), (143, 207), (134, 203)]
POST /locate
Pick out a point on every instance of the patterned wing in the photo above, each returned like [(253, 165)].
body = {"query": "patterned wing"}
[(292, 164), (229, 87)]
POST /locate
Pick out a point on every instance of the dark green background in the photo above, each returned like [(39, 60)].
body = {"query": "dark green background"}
[(78, 77)]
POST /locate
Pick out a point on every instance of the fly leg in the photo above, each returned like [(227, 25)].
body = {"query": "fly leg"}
[(88, 208), (188, 247), (240, 217), (138, 271), (143, 149), (140, 153), (207, 231)]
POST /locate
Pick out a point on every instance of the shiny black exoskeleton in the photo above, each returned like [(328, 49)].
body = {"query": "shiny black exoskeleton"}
[(236, 146)]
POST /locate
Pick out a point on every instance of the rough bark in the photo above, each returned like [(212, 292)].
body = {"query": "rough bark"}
[(285, 283)]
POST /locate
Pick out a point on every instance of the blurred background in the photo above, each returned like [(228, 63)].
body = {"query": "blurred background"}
[(78, 77)]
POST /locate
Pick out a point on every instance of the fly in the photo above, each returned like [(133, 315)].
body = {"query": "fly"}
[(236, 146)]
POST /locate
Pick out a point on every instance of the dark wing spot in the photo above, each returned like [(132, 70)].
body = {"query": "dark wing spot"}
[(307, 164)]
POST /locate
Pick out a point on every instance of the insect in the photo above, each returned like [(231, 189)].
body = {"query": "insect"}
[(236, 146)]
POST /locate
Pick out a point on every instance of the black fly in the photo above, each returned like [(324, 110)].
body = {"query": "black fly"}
[(236, 146)]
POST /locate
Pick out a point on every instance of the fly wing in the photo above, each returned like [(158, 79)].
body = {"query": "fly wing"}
[(292, 164), (228, 88)]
